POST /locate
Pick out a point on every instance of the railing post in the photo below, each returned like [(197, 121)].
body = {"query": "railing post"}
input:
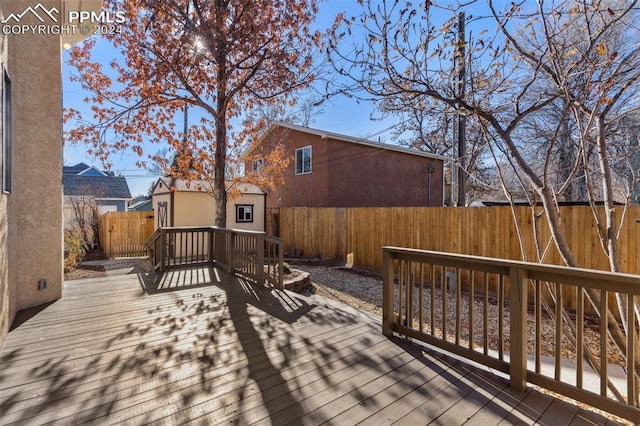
[(280, 246), (231, 252), (387, 293), (518, 329), (163, 249), (260, 259), (211, 244)]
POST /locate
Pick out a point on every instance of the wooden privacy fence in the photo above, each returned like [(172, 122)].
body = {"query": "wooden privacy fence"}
[(122, 234), (482, 231), (359, 233)]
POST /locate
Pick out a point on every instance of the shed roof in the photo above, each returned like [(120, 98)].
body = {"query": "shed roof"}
[(183, 185)]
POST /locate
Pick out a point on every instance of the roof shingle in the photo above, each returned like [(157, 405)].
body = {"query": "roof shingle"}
[(96, 186)]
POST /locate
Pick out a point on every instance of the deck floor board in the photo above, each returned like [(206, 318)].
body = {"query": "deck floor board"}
[(202, 347)]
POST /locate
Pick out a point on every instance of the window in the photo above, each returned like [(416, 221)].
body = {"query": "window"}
[(256, 165), (244, 213), (6, 131), (303, 160)]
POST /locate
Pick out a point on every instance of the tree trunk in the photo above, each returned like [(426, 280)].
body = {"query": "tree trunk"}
[(219, 184), (220, 157)]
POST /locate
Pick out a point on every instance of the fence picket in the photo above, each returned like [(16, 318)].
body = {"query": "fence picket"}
[(489, 231), (122, 234)]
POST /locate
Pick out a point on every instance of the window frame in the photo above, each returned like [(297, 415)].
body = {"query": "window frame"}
[(256, 165), (302, 170), (244, 207), (6, 138)]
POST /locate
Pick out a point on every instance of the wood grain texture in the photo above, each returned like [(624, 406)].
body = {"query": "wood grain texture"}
[(199, 346)]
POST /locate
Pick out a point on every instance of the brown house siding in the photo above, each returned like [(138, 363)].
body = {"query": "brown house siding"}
[(373, 177), (347, 174)]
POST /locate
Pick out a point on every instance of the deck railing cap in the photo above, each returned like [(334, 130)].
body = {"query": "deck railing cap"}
[(531, 266)]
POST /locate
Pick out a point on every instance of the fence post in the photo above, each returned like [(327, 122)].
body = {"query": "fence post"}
[(260, 259), (518, 328), (387, 293)]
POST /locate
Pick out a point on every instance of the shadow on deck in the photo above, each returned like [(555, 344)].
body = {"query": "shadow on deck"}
[(204, 347)]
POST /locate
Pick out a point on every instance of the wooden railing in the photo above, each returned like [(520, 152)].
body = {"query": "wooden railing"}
[(252, 255), (424, 295)]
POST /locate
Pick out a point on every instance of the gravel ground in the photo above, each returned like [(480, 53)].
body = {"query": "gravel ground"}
[(363, 290)]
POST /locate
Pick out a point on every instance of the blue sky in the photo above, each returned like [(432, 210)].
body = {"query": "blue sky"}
[(341, 115)]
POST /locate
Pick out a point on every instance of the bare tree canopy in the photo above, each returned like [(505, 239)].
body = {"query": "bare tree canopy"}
[(551, 79)]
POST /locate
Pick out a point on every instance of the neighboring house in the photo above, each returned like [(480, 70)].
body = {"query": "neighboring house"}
[(95, 187), (178, 203), (142, 206), (31, 254), (332, 170)]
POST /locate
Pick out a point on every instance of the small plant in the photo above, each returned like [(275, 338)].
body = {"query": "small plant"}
[(286, 268), (74, 248)]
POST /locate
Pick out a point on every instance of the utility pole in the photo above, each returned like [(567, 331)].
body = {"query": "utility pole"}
[(460, 124)]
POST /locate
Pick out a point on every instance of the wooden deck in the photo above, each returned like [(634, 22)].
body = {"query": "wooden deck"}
[(201, 347)]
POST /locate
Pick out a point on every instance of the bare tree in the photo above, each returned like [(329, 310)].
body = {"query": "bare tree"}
[(583, 57), (84, 219)]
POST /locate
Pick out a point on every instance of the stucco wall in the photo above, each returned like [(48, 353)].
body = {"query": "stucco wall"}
[(6, 291), (36, 199), (31, 245)]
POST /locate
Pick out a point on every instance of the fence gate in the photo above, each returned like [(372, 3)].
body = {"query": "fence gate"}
[(122, 234)]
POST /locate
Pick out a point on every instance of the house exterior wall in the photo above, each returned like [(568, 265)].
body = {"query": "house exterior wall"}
[(31, 245), (346, 174), (371, 177), (70, 221), (112, 205), (7, 291), (92, 172), (304, 190), (69, 216)]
